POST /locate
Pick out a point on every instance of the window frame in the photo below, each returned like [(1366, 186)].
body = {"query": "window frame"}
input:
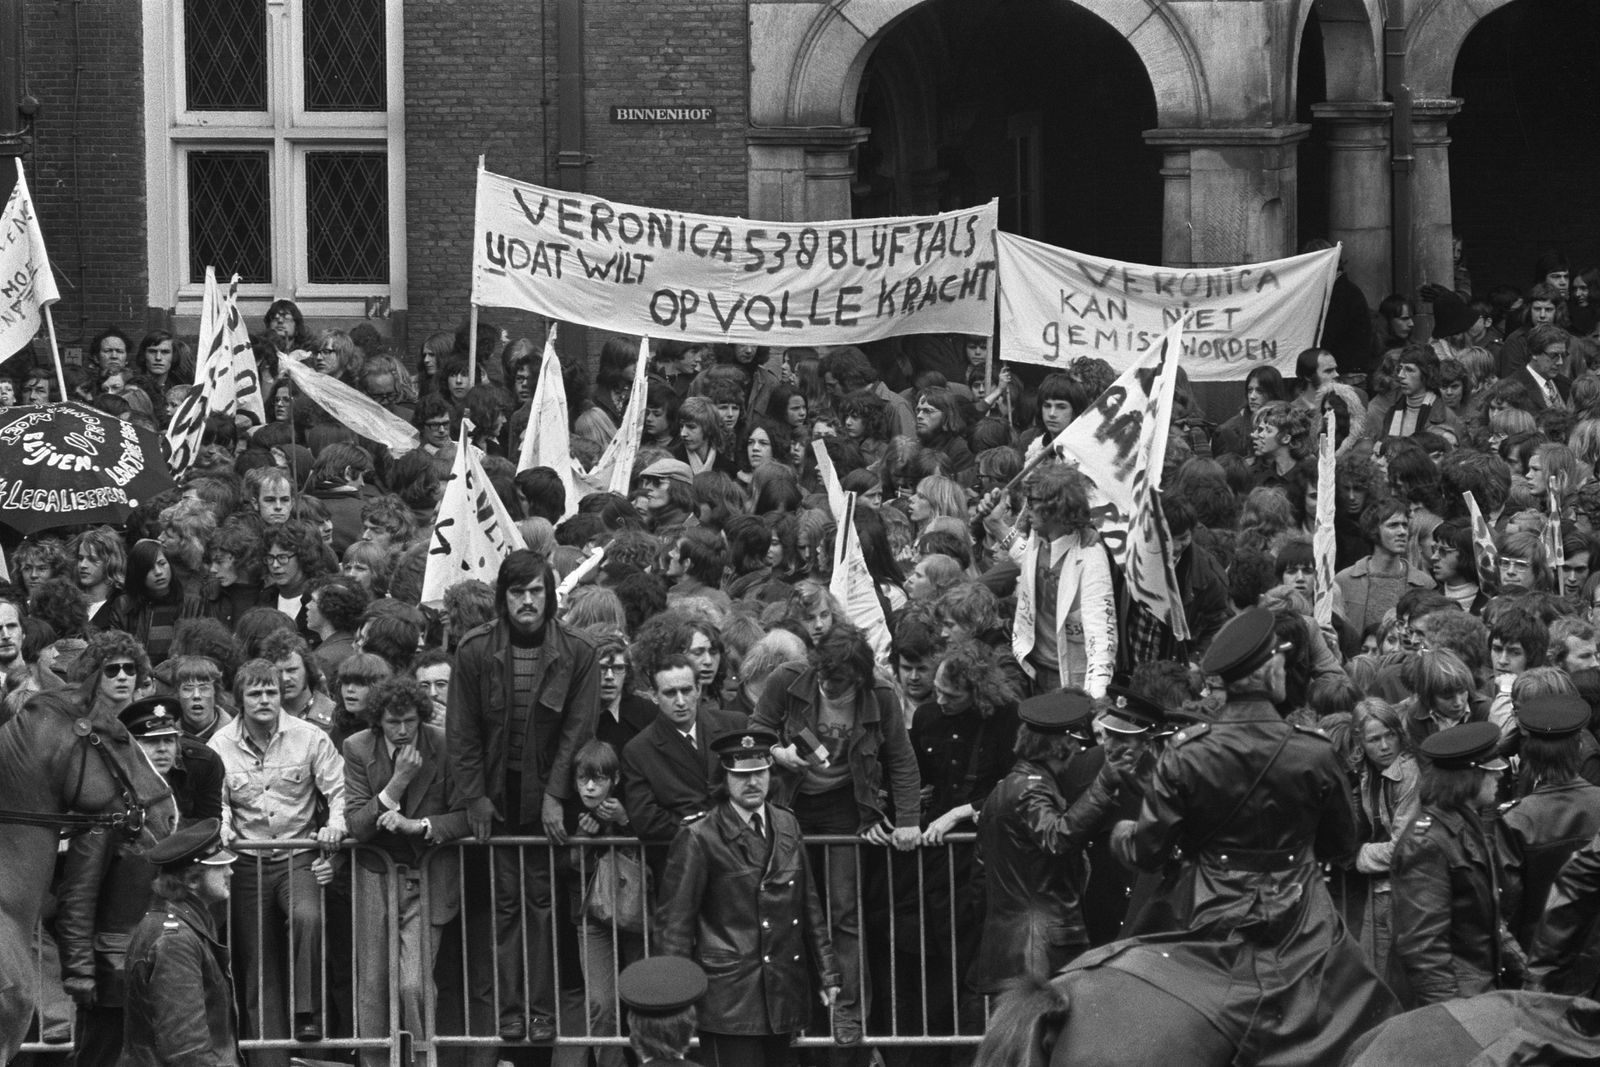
[(288, 132)]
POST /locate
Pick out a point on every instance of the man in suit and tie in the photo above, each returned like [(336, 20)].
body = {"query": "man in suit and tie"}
[(1547, 355), (397, 799), (668, 770)]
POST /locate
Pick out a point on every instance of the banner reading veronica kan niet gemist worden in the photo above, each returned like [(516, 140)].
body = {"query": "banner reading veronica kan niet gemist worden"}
[(647, 271)]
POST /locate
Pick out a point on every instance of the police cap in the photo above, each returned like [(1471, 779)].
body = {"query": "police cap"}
[(1554, 715), (745, 750), (1473, 744), (152, 717), (661, 985), (199, 842), (1056, 713), (1128, 712), (1243, 644)]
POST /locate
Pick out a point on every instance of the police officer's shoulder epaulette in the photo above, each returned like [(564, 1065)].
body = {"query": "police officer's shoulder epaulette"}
[(1312, 731), (1508, 805), (1422, 824), (694, 818), (1189, 733)]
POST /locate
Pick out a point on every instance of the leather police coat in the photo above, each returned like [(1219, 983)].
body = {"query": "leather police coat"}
[(180, 1009), (1032, 842), (1445, 878), (749, 914), (1537, 834), (1566, 950)]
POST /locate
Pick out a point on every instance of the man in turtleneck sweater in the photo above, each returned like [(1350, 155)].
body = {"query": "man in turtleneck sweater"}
[(523, 687)]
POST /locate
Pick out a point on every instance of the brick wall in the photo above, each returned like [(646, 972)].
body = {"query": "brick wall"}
[(475, 77), (86, 168)]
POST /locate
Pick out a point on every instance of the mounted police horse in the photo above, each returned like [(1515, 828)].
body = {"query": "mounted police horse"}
[(60, 771)]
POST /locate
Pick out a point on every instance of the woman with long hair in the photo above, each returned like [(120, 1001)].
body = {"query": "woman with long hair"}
[(788, 406), (286, 327), (430, 361), (334, 354), (764, 440), (1387, 789), (155, 600), (887, 578), (937, 496)]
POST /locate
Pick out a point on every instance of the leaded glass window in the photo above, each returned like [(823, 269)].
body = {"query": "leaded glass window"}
[(230, 215), (347, 217), (225, 55), (344, 55)]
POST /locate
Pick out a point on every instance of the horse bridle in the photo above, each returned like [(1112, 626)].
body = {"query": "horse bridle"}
[(129, 821)]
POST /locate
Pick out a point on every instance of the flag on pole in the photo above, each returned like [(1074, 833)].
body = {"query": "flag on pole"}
[(1484, 555), (1120, 444), (830, 477), (614, 472), (27, 286), (852, 585), (352, 408), (216, 387), (474, 532), (547, 442), (1324, 543), (248, 400)]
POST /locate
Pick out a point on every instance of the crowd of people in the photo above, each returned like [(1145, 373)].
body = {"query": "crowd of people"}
[(702, 690)]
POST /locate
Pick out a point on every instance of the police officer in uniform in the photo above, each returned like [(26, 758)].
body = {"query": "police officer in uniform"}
[(180, 1010), (1031, 836), (1133, 731), (740, 898), (660, 994), (1557, 813), (105, 885), (1449, 939), (1250, 806)]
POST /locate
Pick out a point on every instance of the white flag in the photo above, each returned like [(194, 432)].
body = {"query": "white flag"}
[(614, 472), (474, 532), (216, 390), (248, 400), (852, 585), (1120, 444), (26, 284), (547, 442), (352, 408), (830, 477), (1324, 543)]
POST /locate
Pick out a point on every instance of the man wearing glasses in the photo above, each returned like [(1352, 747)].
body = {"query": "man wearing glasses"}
[(195, 680)]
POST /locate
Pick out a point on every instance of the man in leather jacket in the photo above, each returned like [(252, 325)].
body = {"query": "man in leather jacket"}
[(1553, 818), (180, 1010), (1566, 949), (105, 885)]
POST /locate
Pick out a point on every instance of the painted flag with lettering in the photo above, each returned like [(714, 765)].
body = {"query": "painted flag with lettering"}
[(474, 532), (1120, 444), (1325, 542), (547, 442), (29, 286), (248, 400), (1551, 536), (614, 471), (852, 585), (830, 477), (1484, 555), (216, 389), (352, 408)]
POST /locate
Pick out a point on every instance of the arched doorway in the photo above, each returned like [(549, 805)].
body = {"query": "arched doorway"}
[(1523, 155), (1037, 102)]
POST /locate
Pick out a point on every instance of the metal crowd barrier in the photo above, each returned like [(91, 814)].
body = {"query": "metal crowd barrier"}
[(911, 934)]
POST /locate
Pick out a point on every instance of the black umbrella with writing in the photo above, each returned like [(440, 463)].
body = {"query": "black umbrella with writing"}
[(70, 465)]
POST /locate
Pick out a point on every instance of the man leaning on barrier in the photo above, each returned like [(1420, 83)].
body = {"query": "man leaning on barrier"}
[(524, 694)]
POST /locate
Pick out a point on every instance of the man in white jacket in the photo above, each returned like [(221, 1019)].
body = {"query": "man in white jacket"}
[(1065, 629)]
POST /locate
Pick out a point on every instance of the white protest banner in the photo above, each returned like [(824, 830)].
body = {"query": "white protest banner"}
[(852, 585), (830, 477), (248, 400), (641, 270), (547, 442), (217, 390), (26, 284), (1324, 542), (352, 408), (1056, 305), (1119, 444), (474, 532)]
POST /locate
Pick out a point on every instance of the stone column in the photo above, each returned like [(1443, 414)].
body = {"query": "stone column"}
[(800, 173), (1430, 193), (1359, 203), (1241, 192)]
